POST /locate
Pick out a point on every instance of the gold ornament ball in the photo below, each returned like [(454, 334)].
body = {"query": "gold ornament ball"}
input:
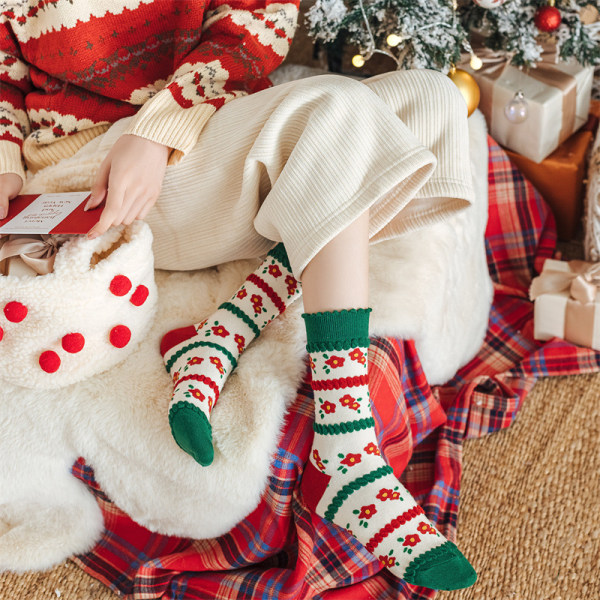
[(468, 87)]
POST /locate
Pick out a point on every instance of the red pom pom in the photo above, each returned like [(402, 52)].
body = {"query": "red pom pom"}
[(120, 285), (15, 312), (49, 361), (120, 336), (73, 342), (139, 296), (1, 333), (547, 18)]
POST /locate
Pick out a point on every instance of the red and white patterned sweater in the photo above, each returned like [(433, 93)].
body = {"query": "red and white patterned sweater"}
[(70, 68)]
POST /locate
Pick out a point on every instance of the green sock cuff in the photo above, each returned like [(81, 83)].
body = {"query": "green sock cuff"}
[(279, 253), (337, 330)]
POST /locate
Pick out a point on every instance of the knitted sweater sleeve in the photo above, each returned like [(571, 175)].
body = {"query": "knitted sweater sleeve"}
[(242, 42), (14, 84)]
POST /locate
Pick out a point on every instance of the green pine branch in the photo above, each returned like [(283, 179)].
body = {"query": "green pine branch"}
[(434, 34)]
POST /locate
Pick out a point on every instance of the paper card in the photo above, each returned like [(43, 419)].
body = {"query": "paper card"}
[(50, 213)]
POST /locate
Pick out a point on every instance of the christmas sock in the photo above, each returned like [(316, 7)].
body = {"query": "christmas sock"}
[(201, 357), (347, 481)]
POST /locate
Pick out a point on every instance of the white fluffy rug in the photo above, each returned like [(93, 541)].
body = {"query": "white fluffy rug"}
[(432, 286)]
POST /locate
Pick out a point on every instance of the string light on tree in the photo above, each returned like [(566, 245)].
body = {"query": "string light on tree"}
[(548, 18), (358, 60), (489, 4), (433, 34), (476, 63), (393, 40)]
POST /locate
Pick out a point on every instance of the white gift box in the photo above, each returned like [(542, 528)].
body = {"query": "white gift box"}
[(557, 313), (553, 113)]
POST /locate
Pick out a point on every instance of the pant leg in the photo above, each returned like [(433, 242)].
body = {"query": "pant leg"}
[(296, 163), (433, 109)]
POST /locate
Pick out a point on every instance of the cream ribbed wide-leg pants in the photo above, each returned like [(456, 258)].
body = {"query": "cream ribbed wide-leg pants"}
[(299, 162)]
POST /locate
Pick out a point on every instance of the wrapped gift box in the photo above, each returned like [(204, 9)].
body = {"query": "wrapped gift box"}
[(558, 99), (567, 303), (16, 266), (28, 255), (560, 180)]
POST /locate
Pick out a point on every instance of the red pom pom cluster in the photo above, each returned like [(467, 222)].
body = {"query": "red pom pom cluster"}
[(119, 336)]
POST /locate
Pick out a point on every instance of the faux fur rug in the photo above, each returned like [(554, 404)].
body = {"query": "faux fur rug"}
[(432, 285)]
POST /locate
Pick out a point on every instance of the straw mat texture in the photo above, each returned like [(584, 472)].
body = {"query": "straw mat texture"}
[(529, 519), (528, 522), (65, 582)]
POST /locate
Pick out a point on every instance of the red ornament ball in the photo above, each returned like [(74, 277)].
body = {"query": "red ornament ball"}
[(119, 336), (15, 312), (49, 361), (73, 342), (120, 285), (139, 296), (547, 18)]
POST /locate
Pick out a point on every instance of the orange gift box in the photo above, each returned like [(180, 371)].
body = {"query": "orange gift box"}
[(559, 179)]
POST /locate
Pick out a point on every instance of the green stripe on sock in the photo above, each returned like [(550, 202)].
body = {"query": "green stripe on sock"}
[(337, 326), (345, 427), (238, 312), (279, 253), (345, 492), (169, 364), (338, 346)]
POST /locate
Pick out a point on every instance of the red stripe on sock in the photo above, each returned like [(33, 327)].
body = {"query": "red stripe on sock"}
[(392, 526), (202, 379), (268, 290), (341, 383)]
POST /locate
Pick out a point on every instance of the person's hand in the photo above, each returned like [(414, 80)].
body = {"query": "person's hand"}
[(130, 178), (10, 186)]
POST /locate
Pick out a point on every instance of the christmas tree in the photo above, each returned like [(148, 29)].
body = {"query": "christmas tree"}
[(434, 33)]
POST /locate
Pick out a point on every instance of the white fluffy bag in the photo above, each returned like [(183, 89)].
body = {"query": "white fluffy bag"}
[(84, 317)]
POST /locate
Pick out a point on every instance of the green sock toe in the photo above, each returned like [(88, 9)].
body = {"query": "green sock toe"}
[(442, 568), (192, 432)]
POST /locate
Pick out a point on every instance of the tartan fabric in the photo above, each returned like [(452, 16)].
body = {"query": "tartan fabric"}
[(281, 550)]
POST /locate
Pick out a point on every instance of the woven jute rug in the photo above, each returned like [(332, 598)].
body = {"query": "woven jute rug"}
[(529, 511), (529, 518)]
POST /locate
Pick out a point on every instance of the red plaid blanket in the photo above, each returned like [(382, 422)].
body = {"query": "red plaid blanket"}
[(282, 551)]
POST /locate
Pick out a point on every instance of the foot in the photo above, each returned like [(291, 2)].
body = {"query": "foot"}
[(347, 482), (201, 357)]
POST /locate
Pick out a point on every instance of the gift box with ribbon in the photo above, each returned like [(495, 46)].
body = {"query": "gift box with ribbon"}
[(560, 180), (557, 96), (567, 303), (29, 255)]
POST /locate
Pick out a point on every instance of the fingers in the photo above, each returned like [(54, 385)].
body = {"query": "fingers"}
[(144, 213), (110, 214), (141, 204), (3, 206), (10, 186), (121, 209), (100, 187)]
